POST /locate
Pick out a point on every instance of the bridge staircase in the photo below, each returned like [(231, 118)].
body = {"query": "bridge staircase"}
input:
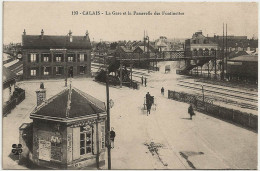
[(188, 67)]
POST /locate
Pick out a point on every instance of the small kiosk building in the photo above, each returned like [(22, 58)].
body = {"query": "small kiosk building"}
[(69, 131)]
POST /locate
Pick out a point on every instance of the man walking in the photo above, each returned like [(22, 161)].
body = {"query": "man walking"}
[(162, 91), (112, 137), (148, 102), (191, 111)]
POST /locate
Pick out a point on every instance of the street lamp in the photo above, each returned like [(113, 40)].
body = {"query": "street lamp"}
[(147, 38), (202, 89), (108, 122)]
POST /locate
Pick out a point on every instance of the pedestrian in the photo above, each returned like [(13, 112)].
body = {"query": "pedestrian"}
[(142, 80), (148, 102), (112, 137), (191, 111), (149, 105), (145, 81), (195, 102), (162, 91)]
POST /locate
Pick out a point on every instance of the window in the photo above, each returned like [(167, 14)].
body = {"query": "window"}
[(70, 59), (46, 71), (58, 70), (33, 57), (81, 57), (58, 57), (33, 72), (82, 70), (46, 59), (85, 140), (102, 137)]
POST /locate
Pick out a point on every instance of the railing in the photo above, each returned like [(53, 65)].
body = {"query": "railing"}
[(207, 107), (17, 98), (9, 106)]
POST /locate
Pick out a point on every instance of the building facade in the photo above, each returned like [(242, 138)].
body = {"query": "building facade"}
[(243, 67), (68, 131), (200, 45), (46, 56)]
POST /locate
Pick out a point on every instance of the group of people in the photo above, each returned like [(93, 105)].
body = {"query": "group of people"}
[(144, 81)]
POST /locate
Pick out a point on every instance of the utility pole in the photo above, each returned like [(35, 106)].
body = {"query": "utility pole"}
[(226, 49), (108, 123), (223, 54), (202, 89)]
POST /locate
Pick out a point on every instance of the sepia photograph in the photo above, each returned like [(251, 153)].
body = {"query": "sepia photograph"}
[(129, 85)]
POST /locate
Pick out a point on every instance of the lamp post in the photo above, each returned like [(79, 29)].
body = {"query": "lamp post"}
[(108, 123), (147, 38), (202, 89)]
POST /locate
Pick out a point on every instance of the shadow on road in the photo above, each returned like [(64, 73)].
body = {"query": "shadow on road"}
[(186, 118)]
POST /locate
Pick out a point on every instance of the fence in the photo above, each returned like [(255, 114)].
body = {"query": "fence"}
[(17, 98), (207, 107)]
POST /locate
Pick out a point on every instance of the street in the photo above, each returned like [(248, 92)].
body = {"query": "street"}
[(165, 139)]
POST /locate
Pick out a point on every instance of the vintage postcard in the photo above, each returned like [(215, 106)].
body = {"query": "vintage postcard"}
[(129, 85)]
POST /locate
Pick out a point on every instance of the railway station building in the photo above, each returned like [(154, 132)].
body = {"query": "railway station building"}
[(48, 56), (243, 67)]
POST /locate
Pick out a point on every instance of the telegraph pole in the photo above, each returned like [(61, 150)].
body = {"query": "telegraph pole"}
[(108, 123), (223, 54), (226, 49)]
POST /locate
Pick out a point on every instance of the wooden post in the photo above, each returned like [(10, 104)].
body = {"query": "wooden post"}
[(108, 125), (121, 77), (131, 67), (208, 69), (215, 63), (97, 139)]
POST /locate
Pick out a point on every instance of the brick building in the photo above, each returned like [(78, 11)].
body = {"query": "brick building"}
[(46, 56)]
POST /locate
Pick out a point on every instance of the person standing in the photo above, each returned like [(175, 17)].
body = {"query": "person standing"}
[(191, 111), (142, 80), (112, 137), (145, 81), (162, 91), (148, 102)]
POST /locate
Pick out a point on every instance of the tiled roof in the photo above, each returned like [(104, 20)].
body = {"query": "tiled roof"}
[(8, 75), (66, 107), (55, 42), (245, 58)]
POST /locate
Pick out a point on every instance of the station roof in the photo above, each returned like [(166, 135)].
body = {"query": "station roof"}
[(8, 75), (55, 42), (245, 58), (68, 105)]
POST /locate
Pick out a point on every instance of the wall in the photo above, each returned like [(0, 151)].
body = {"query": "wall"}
[(88, 161), (43, 131)]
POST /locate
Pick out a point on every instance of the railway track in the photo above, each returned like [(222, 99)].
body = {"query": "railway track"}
[(224, 89), (242, 105)]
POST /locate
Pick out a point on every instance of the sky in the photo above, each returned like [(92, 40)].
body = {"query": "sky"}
[(56, 18)]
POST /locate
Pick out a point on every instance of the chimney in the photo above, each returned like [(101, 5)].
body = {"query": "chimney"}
[(41, 95), (70, 36), (42, 33), (24, 32)]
